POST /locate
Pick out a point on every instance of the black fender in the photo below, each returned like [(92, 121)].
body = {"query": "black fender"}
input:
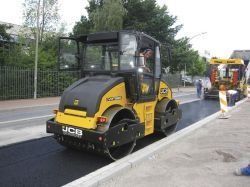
[(114, 115), (122, 126)]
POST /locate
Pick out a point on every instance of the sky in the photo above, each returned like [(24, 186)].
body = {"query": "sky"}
[(224, 22)]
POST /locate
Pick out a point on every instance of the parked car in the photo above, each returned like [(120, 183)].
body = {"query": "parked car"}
[(188, 81)]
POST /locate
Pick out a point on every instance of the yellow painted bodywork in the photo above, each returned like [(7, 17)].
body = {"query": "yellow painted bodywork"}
[(227, 61), (75, 112), (116, 97), (145, 112), (164, 94), (78, 121)]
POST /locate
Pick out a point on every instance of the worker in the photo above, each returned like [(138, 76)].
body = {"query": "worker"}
[(145, 55), (199, 87), (243, 171), (232, 97)]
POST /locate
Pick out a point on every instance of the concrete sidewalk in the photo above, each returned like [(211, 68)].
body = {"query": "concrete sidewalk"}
[(182, 89), (206, 157), (23, 103)]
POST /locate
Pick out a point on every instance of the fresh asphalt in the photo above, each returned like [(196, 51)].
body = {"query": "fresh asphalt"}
[(43, 162)]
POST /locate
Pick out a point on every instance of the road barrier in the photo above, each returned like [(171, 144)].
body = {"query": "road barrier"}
[(223, 104)]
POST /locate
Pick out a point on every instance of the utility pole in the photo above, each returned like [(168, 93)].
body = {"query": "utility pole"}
[(36, 56)]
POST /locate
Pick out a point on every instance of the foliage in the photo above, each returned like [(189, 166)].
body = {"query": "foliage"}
[(48, 52), (198, 68), (84, 26), (145, 16), (148, 17), (3, 34), (109, 17), (5, 42), (187, 57), (103, 15), (23, 55), (48, 15)]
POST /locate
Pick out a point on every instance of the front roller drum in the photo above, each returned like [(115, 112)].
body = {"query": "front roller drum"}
[(166, 122), (121, 139), (116, 142)]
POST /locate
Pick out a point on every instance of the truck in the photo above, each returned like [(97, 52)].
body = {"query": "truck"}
[(224, 75), (114, 103)]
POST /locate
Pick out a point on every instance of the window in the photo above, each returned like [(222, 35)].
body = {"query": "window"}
[(101, 57), (128, 49), (68, 52)]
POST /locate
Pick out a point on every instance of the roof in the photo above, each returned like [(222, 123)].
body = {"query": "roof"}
[(243, 54), (227, 61), (113, 35), (17, 30)]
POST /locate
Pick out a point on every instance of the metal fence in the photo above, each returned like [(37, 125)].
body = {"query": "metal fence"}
[(174, 80), (18, 83)]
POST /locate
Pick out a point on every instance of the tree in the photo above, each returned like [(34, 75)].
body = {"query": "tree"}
[(148, 17), (102, 15), (48, 18), (5, 44), (198, 68), (108, 17), (145, 16), (84, 26), (3, 32)]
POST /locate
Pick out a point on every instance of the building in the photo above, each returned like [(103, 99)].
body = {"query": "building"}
[(16, 31), (20, 35), (243, 54)]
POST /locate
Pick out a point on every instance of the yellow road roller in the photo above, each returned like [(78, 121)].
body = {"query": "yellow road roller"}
[(120, 97)]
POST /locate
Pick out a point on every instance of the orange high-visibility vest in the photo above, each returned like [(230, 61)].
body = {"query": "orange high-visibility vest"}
[(213, 76), (235, 77)]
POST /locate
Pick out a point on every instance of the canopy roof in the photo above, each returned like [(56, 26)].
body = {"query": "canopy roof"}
[(237, 61)]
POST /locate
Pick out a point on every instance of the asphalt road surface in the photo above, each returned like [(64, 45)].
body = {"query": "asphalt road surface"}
[(43, 162)]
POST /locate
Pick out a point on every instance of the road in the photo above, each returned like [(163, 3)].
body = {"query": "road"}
[(43, 162), (22, 124)]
